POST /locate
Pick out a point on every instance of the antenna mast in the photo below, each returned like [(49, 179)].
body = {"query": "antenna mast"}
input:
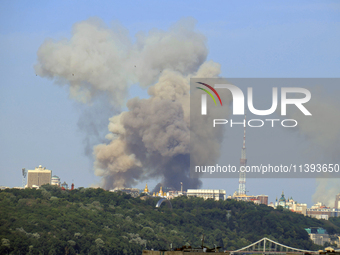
[(243, 163)]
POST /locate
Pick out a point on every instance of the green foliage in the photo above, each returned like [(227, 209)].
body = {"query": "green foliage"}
[(94, 221)]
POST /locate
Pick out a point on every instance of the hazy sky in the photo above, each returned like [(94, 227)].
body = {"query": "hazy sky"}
[(40, 124)]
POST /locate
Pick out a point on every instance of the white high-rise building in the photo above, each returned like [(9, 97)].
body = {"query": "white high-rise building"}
[(39, 176)]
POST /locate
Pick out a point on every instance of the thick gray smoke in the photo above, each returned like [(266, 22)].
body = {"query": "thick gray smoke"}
[(322, 130), (151, 139), (98, 58)]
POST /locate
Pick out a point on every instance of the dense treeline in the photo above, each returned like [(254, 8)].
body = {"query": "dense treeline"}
[(94, 221)]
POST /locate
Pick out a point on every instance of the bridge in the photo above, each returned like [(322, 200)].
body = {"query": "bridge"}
[(267, 246)]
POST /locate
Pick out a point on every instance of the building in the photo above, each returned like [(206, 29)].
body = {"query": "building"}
[(55, 180), (243, 197), (263, 199), (259, 199), (320, 211), (39, 176), (171, 192), (318, 205), (146, 190), (174, 193), (271, 204), (216, 194), (318, 235), (282, 202), (296, 207), (300, 208), (64, 186), (337, 201), (131, 191), (160, 193), (290, 204)]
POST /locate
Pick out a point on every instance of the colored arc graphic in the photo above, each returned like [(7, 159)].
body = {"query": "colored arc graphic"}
[(208, 93), (212, 90)]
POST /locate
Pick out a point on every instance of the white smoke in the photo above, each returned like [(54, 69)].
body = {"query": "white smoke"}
[(322, 130), (326, 190), (101, 59)]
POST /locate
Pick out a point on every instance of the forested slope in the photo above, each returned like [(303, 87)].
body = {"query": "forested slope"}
[(94, 221)]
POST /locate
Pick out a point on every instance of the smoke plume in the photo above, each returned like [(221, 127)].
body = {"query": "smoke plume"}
[(150, 139), (322, 130)]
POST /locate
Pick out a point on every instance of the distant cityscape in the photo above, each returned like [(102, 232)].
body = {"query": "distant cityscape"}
[(41, 176)]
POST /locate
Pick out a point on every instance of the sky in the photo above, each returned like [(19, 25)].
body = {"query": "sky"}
[(40, 124)]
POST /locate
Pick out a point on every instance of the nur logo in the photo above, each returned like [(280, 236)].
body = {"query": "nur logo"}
[(204, 97), (238, 99)]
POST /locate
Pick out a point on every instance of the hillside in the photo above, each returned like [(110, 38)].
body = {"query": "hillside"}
[(94, 221)]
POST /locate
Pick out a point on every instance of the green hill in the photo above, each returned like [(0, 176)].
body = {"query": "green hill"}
[(94, 221)]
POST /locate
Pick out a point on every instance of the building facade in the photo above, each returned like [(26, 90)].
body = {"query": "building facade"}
[(263, 199), (131, 191), (282, 201), (323, 213), (216, 194), (55, 180), (337, 201), (290, 204), (256, 199), (318, 235), (160, 193), (300, 208), (174, 193), (39, 176), (64, 186)]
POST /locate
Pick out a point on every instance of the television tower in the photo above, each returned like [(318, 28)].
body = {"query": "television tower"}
[(243, 163)]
